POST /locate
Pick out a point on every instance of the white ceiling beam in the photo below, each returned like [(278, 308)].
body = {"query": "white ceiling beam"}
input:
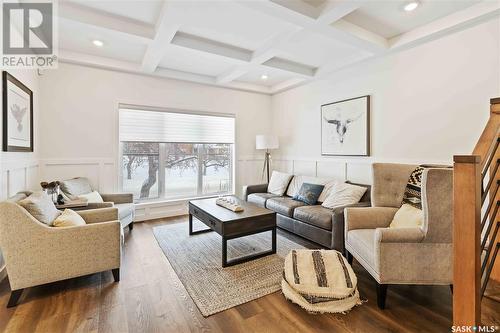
[(465, 18), (331, 12), (268, 50), (165, 29), (288, 84), (66, 56), (211, 46), (123, 27), (335, 10), (372, 45)]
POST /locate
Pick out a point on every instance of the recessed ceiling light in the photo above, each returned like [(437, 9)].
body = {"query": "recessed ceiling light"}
[(264, 77), (98, 43), (411, 6)]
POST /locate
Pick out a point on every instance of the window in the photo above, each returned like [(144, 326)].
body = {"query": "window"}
[(175, 155)]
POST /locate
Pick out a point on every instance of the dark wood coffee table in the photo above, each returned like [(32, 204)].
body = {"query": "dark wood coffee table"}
[(231, 225)]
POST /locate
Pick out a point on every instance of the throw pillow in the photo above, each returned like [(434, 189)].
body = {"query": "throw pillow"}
[(309, 193), (69, 218), (41, 207), (76, 187), (343, 194), (278, 183), (407, 217), (297, 182), (92, 197)]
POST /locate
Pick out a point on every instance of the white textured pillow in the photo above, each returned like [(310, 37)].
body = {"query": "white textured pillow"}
[(69, 218), (407, 217), (343, 194), (278, 183), (41, 207), (92, 197), (297, 182)]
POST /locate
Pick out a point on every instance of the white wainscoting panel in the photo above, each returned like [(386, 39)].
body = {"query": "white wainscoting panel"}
[(304, 168), (331, 169), (101, 172), (19, 175)]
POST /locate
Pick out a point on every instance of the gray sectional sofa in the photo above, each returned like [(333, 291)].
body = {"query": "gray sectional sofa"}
[(314, 222)]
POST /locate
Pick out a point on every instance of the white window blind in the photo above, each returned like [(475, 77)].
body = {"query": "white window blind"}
[(175, 127)]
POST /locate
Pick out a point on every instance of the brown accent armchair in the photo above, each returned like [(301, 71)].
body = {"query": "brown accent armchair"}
[(403, 255)]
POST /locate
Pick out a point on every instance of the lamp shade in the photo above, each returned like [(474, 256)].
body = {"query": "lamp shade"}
[(266, 142)]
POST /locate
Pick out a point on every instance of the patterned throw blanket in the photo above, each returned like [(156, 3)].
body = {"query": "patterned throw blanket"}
[(413, 191)]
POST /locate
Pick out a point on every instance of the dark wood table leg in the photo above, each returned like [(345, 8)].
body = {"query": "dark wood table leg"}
[(273, 249), (239, 260), (224, 251), (191, 232)]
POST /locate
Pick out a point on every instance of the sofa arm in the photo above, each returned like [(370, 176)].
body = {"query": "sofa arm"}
[(118, 198), (338, 222), (368, 218), (399, 235), (94, 205), (249, 189), (99, 215)]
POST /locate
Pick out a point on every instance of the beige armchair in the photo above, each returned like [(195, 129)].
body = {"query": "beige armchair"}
[(36, 253), (403, 255), (74, 187)]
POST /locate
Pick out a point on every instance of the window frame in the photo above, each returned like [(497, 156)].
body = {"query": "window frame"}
[(161, 183)]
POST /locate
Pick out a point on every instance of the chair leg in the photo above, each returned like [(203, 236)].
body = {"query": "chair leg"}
[(131, 226), (451, 288), (116, 274), (14, 297), (349, 257), (381, 295)]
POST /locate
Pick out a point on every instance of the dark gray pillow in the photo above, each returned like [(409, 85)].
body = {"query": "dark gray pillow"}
[(309, 193)]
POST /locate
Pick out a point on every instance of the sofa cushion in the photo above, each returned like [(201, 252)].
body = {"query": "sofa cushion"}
[(124, 210), (297, 181), (76, 186), (363, 243), (315, 215), (260, 198), (92, 197), (41, 207), (283, 205), (278, 183)]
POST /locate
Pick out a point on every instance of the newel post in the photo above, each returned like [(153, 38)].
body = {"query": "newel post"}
[(466, 240)]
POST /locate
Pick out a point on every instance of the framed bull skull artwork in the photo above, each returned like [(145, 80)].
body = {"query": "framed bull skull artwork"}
[(17, 115), (345, 127)]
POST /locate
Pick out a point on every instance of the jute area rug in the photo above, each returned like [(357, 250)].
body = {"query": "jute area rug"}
[(197, 262)]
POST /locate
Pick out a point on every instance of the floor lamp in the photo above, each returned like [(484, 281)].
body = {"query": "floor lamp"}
[(266, 142)]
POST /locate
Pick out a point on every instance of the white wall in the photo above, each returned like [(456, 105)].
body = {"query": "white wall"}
[(80, 122), (20, 171), (428, 103)]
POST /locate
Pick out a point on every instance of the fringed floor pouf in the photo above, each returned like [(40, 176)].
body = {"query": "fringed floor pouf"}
[(320, 281)]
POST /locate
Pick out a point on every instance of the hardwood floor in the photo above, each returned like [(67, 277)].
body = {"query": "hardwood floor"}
[(150, 298)]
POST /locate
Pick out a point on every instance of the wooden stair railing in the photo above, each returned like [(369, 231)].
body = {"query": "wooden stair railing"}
[(475, 206)]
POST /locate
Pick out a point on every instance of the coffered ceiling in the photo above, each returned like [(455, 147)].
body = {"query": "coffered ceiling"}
[(265, 46)]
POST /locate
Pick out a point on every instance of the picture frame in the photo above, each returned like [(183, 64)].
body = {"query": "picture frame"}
[(345, 127), (17, 104)]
